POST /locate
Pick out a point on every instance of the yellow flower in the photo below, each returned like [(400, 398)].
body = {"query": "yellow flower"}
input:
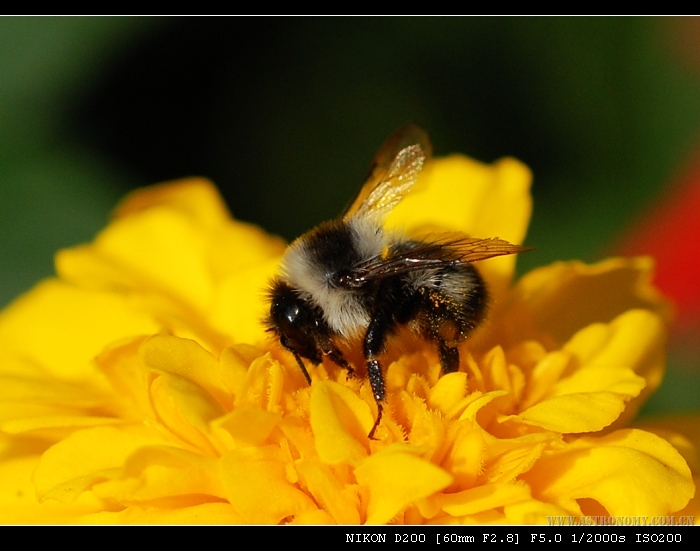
[(139, 385)]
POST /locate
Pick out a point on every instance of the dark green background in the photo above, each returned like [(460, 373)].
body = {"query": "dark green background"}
[(285, 115)]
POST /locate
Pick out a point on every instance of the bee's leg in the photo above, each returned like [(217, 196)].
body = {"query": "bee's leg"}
[(442, 326), (314, 356), (376, 423), (336, 357), (303, 367), (449, 357), (375, 340)]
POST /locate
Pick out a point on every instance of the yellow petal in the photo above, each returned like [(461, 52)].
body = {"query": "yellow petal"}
[(604, 359), (198, 198), (205, 513), (240, 303), (53, 427), (329, 492), (340, 421), (448, 392), (233, 245), (483, 498), (534, 512), (162, 472), (635, 341), (179, 264), (263, 385), (249, 426), (18, 500), (465, 460), (85, 457), (156, 250), (62, 328), (185, 410), (517, 459), (396, 478), (575, 413), (628, 472), (545, 373), (683, 433), (317, 517), (257, 488), (550, 304), (187, 359)]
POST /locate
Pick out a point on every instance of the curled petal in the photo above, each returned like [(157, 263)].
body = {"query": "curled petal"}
[(659, 482), (540, 306), (600, 377)]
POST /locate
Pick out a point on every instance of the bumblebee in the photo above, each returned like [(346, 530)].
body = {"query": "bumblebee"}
[(349, 280)]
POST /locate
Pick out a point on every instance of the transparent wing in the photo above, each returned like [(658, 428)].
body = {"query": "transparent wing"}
[(442, 250), (393, 172)]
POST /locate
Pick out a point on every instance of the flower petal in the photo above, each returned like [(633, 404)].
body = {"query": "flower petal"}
[(62, 328), (180, 264), (18, 503), (396, 478), (600, 469), (329, 491), (550, 304), (483, 498), (601, 380), (340, 421), (575, 413), (257, 487), (204, 513), (86, 457), (163, 472), (198, 198)]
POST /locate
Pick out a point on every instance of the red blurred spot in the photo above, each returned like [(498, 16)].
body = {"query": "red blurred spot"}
[(670, 232)]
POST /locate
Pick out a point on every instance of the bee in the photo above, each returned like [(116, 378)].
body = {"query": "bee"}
[(350, 281)]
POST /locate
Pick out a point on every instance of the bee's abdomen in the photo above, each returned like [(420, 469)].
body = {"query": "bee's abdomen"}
[(451, 304)]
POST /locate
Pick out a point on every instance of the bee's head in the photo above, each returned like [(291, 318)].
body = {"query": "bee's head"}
[(295, 321)]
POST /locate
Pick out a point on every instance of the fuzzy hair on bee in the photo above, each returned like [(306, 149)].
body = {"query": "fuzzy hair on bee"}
[(350, 280)]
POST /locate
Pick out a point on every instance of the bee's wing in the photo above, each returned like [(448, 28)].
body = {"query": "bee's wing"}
[(447, 249), (393, 172), (473, 249)]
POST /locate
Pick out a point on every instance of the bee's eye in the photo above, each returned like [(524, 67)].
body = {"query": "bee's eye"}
[(295, 322), (284, 309), (286, 315), (288, 311)]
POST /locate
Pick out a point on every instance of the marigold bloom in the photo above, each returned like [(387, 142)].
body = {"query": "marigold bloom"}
[(139, 385)]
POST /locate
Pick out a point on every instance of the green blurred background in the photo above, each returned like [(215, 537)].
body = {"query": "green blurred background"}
[(286, 114)]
